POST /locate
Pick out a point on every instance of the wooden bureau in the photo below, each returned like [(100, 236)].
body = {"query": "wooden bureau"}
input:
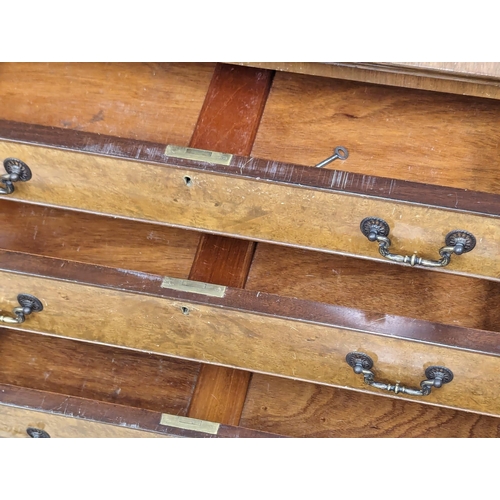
[(162, 316)]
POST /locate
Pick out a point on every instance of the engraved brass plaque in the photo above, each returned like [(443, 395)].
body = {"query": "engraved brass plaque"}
[(194, 287), (190, 424), (198, 154)]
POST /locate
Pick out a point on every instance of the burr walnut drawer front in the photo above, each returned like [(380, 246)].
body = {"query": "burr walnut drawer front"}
[(18, 422), (449, 229), (34, 413), (254, 331)]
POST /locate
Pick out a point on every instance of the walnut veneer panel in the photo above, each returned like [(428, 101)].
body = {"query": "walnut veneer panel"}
[(147, 101), (298, 409), (436, 138), (254, 342), (377, 287)]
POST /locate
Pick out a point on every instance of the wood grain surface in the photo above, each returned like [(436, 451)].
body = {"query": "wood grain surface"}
[(248, 302), (244, 167), (228, 122), (269, 344), (147, 101), (486, 70), (474, 79), (70, 416), (96, 372), (436, 138), (376, 287), (299, 409), (95, 239), (311, 218)]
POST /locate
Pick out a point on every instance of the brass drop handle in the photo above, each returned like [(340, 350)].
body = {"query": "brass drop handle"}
[(28, 303), (456, 242), (16, 171), (436, 376)]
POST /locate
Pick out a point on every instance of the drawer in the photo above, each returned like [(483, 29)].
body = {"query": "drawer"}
[(453, 230), (29, 413), (158, 250), (249, 330)]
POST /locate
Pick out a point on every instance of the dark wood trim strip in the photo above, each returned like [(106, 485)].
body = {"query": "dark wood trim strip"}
[(110, 413), (294, 309), (228, 122), (300, 176)]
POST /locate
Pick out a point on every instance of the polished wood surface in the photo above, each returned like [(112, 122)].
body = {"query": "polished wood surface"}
[(376, 287), (95, 239), (299, 409), (436, 138), (259, 335), (312, 218), (228, 122), (145, 101), (474, 79), (97, 372)]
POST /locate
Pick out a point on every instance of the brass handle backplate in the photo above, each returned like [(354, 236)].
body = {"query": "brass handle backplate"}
[(436, 376), (456, 242), (16, 171), (28, 303)]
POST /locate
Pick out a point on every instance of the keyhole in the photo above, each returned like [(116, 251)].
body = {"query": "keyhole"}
[(187, 180)]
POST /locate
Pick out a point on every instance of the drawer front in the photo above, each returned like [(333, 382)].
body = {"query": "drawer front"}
[(255, 342), (251, 209), (18, 422)]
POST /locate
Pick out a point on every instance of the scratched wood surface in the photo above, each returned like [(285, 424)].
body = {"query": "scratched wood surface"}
[(245, 167), (146, 101), (241, 339), (383, 288), (96, 372), (299, 409), (94, 239), (14, 422), (436, 138), (71, 416), (319, 219), (474, 79)]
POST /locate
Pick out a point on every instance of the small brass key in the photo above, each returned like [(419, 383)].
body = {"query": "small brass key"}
[(339, 153)]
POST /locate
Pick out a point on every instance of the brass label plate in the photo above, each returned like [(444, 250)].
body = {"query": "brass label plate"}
[(198, 154), (194, 287), (190, 424)]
